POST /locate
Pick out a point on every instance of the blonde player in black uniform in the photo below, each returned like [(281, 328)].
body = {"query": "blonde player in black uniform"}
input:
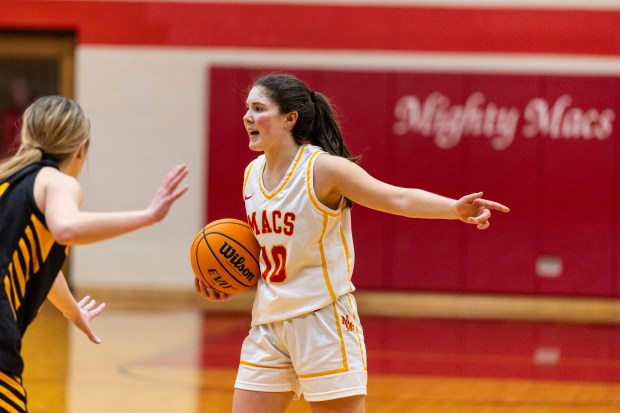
[(40, 218), (306, 337)]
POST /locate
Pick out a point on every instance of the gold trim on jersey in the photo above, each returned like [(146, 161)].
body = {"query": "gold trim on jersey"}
[(41, 242), (247, 177), (328, 282), (327, 211), (3, 187), (315, 201), (346, 252), (282, 184)]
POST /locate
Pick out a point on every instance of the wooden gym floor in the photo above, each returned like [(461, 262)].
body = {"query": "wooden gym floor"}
[(166, 355)]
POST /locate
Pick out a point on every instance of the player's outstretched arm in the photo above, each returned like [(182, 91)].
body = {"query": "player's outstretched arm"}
[(70, 226), (336, 177)]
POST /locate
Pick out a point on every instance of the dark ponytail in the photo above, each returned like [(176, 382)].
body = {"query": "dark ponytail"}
[(316, 122), (326, 131)]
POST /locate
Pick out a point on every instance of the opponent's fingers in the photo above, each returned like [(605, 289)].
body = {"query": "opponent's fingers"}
[(180, 193), (176, 176), (89, 305), (96, 311), (83, 301)]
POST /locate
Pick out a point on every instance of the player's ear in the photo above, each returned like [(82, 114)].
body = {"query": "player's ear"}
[(291, 118), (83, 149)]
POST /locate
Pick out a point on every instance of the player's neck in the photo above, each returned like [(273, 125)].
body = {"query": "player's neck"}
[(278, 162)]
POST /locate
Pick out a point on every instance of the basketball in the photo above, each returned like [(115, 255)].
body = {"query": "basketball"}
[(224, 256)]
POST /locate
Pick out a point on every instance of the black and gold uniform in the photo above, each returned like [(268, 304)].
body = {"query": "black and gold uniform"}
[(30, 260)]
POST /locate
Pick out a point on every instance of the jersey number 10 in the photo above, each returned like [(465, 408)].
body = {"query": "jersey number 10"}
[(275, 263)]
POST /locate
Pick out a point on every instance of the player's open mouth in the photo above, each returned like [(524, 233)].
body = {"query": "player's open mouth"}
[(253, 133)]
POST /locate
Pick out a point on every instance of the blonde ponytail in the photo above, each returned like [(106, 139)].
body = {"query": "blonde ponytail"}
[(52, 128)]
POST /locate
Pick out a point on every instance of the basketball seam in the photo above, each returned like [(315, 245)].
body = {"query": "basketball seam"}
[(204, 278), (220, 262)]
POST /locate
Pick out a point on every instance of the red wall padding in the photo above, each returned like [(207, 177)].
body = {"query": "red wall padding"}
[(320, 26), (560, 180)]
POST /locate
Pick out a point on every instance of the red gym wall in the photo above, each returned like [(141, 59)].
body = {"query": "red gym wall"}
[(546, 145)]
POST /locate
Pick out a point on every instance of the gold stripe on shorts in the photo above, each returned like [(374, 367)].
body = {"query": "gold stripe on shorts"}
[(12, 395), (247, 363)]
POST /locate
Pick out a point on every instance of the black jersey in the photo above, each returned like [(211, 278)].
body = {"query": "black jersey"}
[(30, 260)]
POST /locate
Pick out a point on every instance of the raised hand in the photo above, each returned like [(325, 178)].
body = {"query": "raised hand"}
[(166, 195)]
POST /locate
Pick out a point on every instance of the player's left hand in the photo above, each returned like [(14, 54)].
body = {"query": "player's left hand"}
[(472, 209), (88, 310), (209, 293)]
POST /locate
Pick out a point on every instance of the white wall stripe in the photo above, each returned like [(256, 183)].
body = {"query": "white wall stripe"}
[(436, 62)]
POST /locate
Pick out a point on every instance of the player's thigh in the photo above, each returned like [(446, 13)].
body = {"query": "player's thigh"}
[(248, 401), (353, 404)]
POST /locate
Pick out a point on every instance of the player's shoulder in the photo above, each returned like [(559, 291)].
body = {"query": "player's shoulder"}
[(330, 162), (51, 177)]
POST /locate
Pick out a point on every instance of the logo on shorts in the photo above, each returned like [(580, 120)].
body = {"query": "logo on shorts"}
[(348, 324)]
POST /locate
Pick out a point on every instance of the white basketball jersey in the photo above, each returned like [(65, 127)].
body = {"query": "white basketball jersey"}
[(307, 253)]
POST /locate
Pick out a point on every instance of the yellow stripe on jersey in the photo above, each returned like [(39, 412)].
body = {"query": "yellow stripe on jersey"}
[(23, 248), (44, 236), (17, 273), (3, 187), (33, 250), (346, 250), (317, 204), (17, 278), (247, 176), (328, 282), (22, 277), (9, 295), (300, 152)]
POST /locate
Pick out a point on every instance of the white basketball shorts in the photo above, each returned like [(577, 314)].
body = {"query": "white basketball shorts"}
[(321, 355)]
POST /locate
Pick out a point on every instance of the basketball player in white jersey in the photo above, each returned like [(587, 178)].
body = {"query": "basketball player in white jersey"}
[(306, 338)]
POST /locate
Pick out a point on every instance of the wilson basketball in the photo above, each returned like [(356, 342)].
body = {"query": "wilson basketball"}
[(224, 255)]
